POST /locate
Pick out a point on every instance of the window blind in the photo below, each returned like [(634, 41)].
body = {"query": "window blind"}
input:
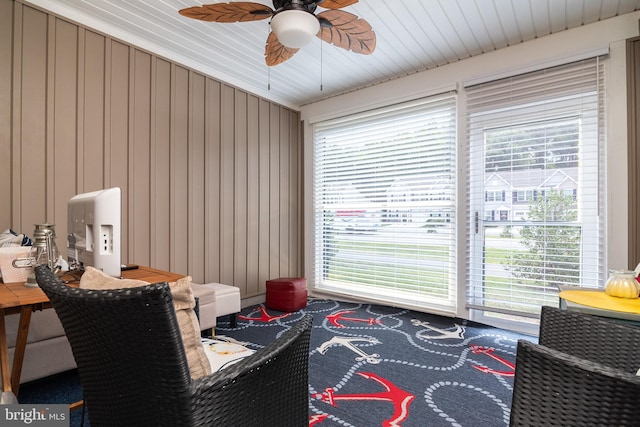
[(384, 204), (535, 192)]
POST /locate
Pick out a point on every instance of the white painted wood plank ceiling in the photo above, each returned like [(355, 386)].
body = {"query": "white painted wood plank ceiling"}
[(412, 36)]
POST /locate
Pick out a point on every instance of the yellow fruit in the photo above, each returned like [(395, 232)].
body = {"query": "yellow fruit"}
[(622, 285)]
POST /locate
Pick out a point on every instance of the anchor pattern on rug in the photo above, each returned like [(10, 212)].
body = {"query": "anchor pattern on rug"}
[(349, 342), (383, 366), (264, 316), (478, 349), (457, 333), (317, 419), (400, 399), (337, 319)]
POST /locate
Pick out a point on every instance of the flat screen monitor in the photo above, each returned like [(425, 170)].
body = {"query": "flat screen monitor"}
[(93, 236)]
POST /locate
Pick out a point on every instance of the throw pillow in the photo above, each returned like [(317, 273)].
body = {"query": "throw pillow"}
[(184, 303)]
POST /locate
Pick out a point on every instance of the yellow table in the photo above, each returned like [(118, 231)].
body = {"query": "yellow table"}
[(596, 301)]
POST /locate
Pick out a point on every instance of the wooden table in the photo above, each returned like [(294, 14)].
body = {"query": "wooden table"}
[(17, 298)]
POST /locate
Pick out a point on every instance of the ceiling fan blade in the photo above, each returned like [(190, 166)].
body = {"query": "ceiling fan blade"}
[(336, 4), (275, 52), (240, 11), (346, 30)]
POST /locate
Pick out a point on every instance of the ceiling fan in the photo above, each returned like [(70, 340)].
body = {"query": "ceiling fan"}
[(294, 23)]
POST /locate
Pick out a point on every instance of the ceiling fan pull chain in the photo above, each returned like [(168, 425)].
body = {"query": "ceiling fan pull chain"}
[(321, 65), (268, 71)]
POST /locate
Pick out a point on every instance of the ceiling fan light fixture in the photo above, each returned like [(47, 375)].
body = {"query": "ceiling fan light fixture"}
[(295, 28)]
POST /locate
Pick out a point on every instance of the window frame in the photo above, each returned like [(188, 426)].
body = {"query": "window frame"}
[(564, 108), (438, 197)]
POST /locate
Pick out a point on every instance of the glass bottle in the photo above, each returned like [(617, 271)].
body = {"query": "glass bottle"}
[(43, 252), (45, 241)]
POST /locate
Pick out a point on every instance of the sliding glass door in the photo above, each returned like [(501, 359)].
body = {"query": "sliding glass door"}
[(535, 176)]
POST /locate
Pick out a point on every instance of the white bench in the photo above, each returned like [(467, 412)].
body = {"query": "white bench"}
[(225, 299)]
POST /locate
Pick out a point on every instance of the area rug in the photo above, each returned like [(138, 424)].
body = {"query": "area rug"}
[(373, 365)]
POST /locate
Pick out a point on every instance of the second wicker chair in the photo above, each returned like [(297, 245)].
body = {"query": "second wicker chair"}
[(583, 373)]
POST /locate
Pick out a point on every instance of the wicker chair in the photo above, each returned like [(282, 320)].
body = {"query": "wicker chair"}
[(133, 368), (583, 373)]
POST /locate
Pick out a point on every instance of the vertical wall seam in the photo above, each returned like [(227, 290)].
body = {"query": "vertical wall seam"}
[(152, 161), (50, 142), (106, 113), (130, 153), (16, 118), (80, 119)]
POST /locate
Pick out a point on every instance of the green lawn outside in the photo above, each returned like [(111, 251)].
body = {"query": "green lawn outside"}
[(420, 279), (428, 280), (432, 252)]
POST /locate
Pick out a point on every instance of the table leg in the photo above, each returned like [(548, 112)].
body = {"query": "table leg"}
[(4, 356), (21, 345), (76, 405)]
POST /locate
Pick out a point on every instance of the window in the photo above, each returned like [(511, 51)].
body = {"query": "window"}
[(385, 204), (386, 195), (542, 134), (524, 195), (494, 196)]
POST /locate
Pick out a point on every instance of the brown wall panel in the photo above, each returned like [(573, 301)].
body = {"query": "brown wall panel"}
[(93, 66), (62, 97), (253, 195), (30, 154), (80, 86), (212, 180), (264, 201), (179, 170), (6, 45), (633, 120), (15, 80), (209, 173), (196, 176), (227, 174), (240, 188), (139, 160), (160, 165), (117, 137), (284, 178), (274, 191), (295, 193)]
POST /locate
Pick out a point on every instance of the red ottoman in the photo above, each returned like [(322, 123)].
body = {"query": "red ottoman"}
[(286, 293)]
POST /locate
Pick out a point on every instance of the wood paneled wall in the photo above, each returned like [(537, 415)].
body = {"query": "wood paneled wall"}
[(633, 120), (210, 174)]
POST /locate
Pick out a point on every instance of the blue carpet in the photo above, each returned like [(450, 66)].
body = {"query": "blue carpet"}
[(373, 365), (61, 388)]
